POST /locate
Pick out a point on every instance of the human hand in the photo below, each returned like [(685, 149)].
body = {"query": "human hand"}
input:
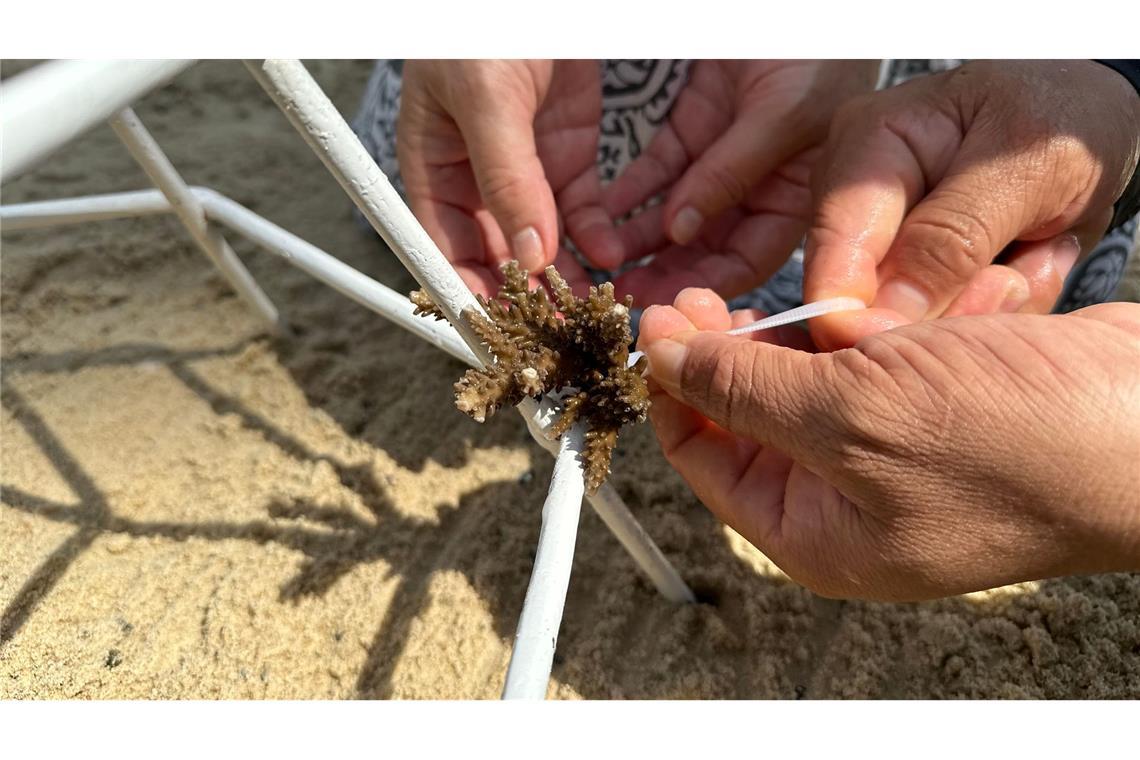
[(734, 158), (921, 187), (935, 459), (488, 148)]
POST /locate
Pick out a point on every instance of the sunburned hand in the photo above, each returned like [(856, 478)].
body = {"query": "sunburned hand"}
[(733, 160), (938, 458), (487, 148), (922, 187)]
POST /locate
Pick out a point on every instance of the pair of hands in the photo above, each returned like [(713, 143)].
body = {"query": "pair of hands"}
[(908, 196), (499, 161), (937, 458)]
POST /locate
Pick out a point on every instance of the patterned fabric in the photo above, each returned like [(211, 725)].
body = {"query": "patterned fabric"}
[(636, 98), (1096, 279), (375, 122)]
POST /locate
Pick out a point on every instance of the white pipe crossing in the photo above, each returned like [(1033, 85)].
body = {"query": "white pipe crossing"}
[(189, 211), (322, 126)]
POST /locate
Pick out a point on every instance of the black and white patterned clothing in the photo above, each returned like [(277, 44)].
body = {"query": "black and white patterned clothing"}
[(637, 96), (636, 99)]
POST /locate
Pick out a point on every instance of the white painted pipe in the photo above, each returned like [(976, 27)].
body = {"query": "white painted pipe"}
[(372, 295), (537, 635), (189, 211), (335, 273), (48, 106), (89, 208), (307, 107)]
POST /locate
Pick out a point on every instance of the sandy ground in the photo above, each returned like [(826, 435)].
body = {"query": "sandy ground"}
[(193, 510)]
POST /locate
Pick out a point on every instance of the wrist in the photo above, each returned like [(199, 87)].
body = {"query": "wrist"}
[(1107, 504), (1121, 525)]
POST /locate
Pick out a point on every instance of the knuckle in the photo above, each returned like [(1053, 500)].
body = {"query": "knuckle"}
[(739, 382), (710, 380), (952, 244), (505, 184), (837, 223), (721, 383), (722, 184)]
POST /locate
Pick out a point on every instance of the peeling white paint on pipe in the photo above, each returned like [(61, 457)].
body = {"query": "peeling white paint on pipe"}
[(48, 106), (301, 99), (537, 636), (189, 211)]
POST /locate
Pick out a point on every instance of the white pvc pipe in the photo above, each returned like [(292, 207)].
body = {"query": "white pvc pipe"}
[(44, 108), (335, 273), (537, 636), (189, 211), (90, 208), (372, 295), (307, 107)]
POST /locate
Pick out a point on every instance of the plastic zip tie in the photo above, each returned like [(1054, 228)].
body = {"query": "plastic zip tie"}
[(798, 314)]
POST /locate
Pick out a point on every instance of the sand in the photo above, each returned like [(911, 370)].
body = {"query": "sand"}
[(193, 510)]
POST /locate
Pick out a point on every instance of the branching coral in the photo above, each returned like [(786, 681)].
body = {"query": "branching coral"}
[(584, 351)]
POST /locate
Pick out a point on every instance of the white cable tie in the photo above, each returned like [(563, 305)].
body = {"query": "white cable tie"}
[(798, 314)]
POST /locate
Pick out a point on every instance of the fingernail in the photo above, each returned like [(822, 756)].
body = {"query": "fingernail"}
[(686, 224), (641, 323), (526, 246), (1066, 250), (666, 361), (1016, 297), (904, 298)]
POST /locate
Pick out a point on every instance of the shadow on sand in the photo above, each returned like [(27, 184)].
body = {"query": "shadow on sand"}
[(753, 637)]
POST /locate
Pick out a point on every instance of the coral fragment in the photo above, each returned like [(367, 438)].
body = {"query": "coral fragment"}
[(537, 351)]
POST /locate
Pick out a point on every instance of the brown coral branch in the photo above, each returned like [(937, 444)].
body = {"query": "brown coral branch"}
[(537, 352), (425, 307)]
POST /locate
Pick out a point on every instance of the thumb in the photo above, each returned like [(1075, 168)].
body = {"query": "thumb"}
[(724, 174), (512, 182), (767, 393)]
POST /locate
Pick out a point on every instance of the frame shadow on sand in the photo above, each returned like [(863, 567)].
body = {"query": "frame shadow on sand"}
[(792, 644)]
